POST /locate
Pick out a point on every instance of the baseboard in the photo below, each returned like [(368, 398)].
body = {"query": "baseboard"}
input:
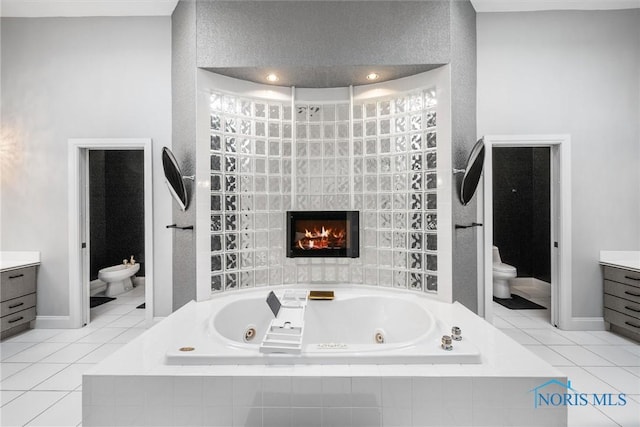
[(53, 322), (585, 324)]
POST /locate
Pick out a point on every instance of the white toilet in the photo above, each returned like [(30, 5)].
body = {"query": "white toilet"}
[(502, 273), (118, 278)]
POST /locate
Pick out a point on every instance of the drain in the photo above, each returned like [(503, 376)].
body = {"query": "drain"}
[(379, 336), (249, 334), (187, 348)]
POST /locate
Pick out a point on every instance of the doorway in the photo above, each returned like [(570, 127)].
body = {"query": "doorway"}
[(83, 262), (559, 242)]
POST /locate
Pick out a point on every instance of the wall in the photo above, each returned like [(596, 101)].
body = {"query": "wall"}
[(72, 78), (116, 208), (521, 209), (575, 73)]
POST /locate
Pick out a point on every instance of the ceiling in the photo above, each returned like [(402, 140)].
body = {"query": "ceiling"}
[(49, 8)]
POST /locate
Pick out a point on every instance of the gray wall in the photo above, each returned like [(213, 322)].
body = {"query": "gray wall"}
[(575, 73), (78, 78)]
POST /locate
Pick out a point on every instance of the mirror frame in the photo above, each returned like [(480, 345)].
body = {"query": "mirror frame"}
[(174, 179), (472, 172)]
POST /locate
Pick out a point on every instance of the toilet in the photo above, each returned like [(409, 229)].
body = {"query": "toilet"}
[(118, 278), (502, 273)]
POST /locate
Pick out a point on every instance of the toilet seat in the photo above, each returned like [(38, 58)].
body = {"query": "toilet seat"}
[(504, 268)]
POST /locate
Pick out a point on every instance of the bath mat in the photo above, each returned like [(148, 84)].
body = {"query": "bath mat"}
[(96, 301), (143, 305), (516, 302)]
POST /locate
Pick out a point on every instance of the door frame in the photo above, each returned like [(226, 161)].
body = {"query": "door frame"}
[(78, 161), (561, 286)]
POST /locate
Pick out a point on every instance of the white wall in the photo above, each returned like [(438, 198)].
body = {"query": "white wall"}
[(575, 73), (78, 78)]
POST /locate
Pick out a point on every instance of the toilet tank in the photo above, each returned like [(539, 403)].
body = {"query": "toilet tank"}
[(496, 255)]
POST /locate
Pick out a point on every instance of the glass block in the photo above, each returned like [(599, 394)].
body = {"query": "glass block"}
[(329, 131), (358, 166), (432, 241), (246, 202), (286, 166), (286, 185), (400, 202), (342, 130), (416, 142), (329, 166), (385, 278), (431, 119), (431, 160), (370, 202), (260, 184), (260, 165), (245, 107), (370, 220), (431, 262), (399, 219), (261, 258), (230, 125), (400, 182), (246, 183), (358, 184), (371, 276), (274, 166), (216, 242), (301, 113), (342, 148), (315, 185), (316, 274), (274, 184), (286, 112), (357, 147), (261, 202), (370, 110), (415, 221), (302, 184), (216, 202), (357, 274), (287, 131), (230, 203), (370, 146), (400, 124), (415, 261), (229, 104), (385, 164), (261, 277), (384, 201), (343, 202), (415, 201), (384, 108), (385, 127), (399, 279), (274, 147), (415, 281), (416, 162), (416, 181), (370, 237), (261, 221), (431, 221), (342, 274), (384, 182), (302, 149), (246, 221), (385, 257), (315, 113), (357, 111), (416, 122), (432, 201), (289, 275), (370, 128), (230, 164), (215, 102), (231, 242), (342, 184), (245, 146), (261, 147), (329, 149), (215, 122), (415, 241), (399, 239), (358, 131), (315, 131), (246, 279), (260, 110), (245, 127), (275, 221), (401, 144), (384, 220), (399, 105), (342, 112), (432, 283), (216, 283), (385, 145), (274, 112), (431, 140), (231, 222), (216, 182), (216, 222), (400, 163), (316, 203), (330, 201), (246, 165), (215, 142), (432, 181), (246, 260), (329, 184), (415, 102), (384, 239), (430, 97), (371, 165), (231, 261), (216, 163), (274, 130), (301, 130), (329, 113)]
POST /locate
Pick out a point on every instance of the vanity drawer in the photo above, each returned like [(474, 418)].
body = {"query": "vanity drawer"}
[(18, 282), (627, 322), (17, 304), (16, 319), (631, 293), (622, 276), (622, 306)]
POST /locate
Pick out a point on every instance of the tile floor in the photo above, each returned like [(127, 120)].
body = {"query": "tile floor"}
[(42, 369)]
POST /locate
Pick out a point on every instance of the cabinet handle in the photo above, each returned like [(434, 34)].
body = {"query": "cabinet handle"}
[(15, 320), (632, 294), (16, 276), (631, 324), (632, 309), (632, 278), (16, 305)]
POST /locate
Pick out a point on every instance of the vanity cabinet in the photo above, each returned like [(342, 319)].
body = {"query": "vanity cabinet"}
[(622, 299), (17, 299)]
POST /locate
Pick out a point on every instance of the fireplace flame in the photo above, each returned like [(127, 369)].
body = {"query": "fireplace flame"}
[(323, 238)]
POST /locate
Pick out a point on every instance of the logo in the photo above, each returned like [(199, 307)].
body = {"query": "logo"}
[(556, 393)]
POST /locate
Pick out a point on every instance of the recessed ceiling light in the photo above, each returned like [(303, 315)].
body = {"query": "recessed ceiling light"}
[(272, 78), (373, 76)]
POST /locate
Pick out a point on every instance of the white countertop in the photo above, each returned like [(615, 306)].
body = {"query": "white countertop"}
[(623, 259), (10, 260)]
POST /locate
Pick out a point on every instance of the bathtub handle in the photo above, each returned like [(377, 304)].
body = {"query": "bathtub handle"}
[(473, 224), (187, 227)]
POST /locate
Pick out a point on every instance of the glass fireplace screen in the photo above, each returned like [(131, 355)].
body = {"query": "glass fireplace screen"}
[(323, 234)]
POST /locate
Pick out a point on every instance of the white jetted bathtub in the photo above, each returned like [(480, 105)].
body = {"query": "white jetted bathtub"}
[(361, 325)]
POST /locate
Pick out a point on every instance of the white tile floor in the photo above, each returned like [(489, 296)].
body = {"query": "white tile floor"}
[(42, 369)]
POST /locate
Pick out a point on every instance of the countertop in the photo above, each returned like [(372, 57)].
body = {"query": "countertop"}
[(629, 260), (18, 259)]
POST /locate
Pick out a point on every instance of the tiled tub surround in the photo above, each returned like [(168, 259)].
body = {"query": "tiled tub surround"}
[(135, 386)]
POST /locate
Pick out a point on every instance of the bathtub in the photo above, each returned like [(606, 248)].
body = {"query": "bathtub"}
[(362, 325)]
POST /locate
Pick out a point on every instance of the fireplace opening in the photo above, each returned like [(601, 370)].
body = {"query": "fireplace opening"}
[(323, 234)]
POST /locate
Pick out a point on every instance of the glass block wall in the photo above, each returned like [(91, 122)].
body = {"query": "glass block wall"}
[(377, 156)]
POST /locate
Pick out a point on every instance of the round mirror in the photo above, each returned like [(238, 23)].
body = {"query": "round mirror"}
[(174, 178), (472, 172)]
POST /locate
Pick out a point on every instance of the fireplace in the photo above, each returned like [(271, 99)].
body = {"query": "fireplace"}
[(323, 234)]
